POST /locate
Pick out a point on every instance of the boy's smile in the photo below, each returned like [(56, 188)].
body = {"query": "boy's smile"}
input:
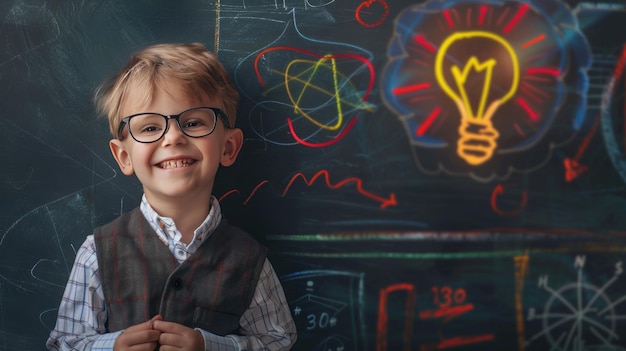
[(176, 162)]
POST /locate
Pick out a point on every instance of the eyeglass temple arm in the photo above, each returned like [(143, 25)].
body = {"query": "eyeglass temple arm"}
[(224, 118), (121, 127)]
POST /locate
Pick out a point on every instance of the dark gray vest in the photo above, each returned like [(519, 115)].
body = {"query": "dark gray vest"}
[(141, 278)]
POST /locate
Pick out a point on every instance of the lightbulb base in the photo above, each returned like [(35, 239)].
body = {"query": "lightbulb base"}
[(477, 141)]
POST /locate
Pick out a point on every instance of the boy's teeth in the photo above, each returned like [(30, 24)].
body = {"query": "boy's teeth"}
[(175, 163)]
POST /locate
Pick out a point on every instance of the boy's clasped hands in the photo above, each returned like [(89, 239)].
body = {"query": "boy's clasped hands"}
[(170, 336)]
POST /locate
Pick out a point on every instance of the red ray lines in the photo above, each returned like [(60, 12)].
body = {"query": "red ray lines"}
[(411, 88), (543, 70), (421, 130), (384, 202), (482, 13), (533, 41), (448, 17), (526, 107), (420, 39), (518, 16)]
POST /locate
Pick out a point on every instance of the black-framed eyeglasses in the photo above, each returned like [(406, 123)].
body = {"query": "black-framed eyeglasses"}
[(148, 127)]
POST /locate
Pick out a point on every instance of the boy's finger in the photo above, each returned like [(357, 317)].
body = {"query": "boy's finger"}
[(165, 327), (155, 318), (138, 339), (141, 326), (144, 336)]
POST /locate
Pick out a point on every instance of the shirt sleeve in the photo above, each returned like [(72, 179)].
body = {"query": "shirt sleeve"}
[(266, 325), (81, 318)]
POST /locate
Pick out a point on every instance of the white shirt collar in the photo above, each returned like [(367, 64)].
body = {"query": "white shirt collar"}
[(170, 235)]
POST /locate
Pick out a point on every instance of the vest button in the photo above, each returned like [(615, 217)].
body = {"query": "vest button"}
[(177, 284)]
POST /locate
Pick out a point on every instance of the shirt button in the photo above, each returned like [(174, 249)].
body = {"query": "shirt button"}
[(177, 284)]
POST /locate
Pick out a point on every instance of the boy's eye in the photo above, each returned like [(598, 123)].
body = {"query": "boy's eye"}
[(149, 129), (147, 124), (193, 124)]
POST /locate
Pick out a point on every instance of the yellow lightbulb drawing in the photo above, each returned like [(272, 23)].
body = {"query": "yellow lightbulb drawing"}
[(477, 135)]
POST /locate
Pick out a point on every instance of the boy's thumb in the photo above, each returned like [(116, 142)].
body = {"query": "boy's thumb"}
[(158, 317)]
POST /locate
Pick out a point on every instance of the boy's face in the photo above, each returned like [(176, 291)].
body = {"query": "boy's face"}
[(176, 167)]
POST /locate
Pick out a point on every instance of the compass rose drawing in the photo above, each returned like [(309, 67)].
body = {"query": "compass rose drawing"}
[(579, 315)]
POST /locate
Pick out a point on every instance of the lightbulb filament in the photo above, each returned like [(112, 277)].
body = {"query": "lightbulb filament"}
[(460, 77)]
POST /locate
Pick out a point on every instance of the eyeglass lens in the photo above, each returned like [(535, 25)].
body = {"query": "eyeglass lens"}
[(150, 127)]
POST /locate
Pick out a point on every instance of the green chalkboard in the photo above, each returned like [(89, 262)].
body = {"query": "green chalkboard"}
[(427, 175)]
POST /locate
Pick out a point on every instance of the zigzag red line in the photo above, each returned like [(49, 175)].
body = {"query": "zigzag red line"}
[(359, 185)]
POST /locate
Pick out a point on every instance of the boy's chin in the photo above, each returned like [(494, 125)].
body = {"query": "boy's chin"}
[(174, 193)]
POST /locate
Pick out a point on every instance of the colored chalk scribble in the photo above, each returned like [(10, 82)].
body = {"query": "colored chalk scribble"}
[(477, 83), (322, 97), (384, 201)]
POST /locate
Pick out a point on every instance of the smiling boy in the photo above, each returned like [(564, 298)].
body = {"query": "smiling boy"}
[(172, 273)]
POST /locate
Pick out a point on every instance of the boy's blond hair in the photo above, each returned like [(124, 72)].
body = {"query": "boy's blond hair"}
[(197, 70)]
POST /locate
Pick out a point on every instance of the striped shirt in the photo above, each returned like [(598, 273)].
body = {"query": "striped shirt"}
[(266, 325)]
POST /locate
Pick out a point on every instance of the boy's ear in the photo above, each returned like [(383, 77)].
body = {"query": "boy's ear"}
[(232, 146), (121, 156)]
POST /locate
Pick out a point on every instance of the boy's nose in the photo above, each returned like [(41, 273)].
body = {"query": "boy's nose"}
[(173, 135)]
